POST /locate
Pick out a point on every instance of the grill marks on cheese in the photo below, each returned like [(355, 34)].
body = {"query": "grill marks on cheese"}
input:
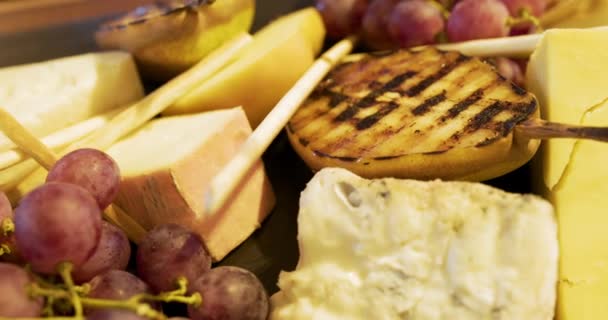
[(405, 102)]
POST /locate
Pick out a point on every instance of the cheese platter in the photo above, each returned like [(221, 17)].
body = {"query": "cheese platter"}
[(247, 159)]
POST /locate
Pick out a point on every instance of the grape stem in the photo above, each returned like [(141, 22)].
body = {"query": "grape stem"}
[(524, 16), (4, 249), (8, 227), (135, 303), (177, 295), (65, 271), (445, 11)]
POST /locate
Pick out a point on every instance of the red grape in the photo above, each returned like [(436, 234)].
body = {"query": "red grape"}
[(116, 285), (230, 293), (511, 70), (375, 24), (478, 19), (91, 169), (535, 7), (168, 252), (57, 222), (415, 22), (342, 17), (14, 298), (114, 314), (112, 252)]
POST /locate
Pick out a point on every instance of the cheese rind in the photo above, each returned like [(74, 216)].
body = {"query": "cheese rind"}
[(48, 96), (395, 249), (167, 166), (569, 71)]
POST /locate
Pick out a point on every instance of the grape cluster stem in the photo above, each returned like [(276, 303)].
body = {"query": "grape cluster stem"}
[(525, 16), (135, 303), (4, 249), (8, 227)]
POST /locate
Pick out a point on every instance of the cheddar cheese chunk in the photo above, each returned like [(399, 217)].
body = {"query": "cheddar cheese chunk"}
[(167, 166), (568, 73)]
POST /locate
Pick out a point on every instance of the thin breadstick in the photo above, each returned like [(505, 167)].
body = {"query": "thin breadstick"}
[(511, 47), (22, 137), (10, 177), (163, 97), (224, 183), (144, 110), (45, 157), (61, 138)]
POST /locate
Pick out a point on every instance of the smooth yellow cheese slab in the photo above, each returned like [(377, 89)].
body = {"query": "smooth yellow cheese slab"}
[(592, 13), (581, 201), (568, 74), (565, 73)]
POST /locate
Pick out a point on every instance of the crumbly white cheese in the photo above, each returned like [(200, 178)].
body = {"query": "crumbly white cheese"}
[(404, 249)]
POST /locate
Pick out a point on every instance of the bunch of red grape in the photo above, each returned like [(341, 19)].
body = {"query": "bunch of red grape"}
[(387, 24), (58, 232), (391, 24)]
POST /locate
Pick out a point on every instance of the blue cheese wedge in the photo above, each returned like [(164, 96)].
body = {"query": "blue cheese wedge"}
[(405, 249)]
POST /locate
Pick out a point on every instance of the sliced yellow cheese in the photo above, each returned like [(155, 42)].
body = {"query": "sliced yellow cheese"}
[(568, 74), (565, 73), (582, 208), (48, 96), (266, 69), (167, 166), (592, 13)]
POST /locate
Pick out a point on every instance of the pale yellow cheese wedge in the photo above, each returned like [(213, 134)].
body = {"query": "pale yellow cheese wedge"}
[(167, 166), (266, 69), (568, 73), (591, 13), (48, 96)]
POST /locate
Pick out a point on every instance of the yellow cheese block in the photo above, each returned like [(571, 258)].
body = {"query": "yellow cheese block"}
[(568, 74), (167, 166), (264, 71), (592, 13)]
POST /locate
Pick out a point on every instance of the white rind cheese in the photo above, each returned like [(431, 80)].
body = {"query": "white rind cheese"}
[(404, 249), (48, 96)]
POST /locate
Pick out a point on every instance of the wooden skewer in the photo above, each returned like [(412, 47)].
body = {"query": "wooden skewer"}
[(14, 155), (224, 183), (542, 129), (23, 138), (142, 111)]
